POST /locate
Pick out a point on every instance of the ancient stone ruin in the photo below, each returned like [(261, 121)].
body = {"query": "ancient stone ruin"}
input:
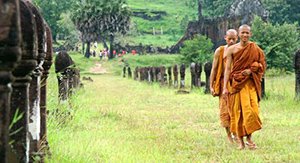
[(26, 56), (240, 12), (68, 75)]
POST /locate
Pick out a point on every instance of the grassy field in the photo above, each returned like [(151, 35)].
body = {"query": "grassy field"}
[(115, 119)]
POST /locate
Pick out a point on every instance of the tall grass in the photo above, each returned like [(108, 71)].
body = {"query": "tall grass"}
[(115, 119)]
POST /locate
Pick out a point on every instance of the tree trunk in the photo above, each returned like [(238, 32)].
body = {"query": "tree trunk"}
[(104, 42), (83, 43), (87, 52), (111, 42)]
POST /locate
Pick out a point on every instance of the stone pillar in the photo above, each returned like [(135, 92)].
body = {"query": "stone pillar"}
[(136, 73), (175, 75), (193, 74), (158, 74), (10, 54), (182, 75), (170, 76), (152, 72), (198, 74), (207, 70), (297, 75), (35, 85), (20, 94), (148, 73), (63, 63), (129, 72), (162, 75), (46, 66), (124, 71)]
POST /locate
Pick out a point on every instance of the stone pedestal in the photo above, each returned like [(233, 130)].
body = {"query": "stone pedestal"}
[(207, 70)]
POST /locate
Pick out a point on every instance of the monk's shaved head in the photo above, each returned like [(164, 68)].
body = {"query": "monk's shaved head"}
[(245, 26), (231, 31)]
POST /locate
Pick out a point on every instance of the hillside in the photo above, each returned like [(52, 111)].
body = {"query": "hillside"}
[(168, 18)]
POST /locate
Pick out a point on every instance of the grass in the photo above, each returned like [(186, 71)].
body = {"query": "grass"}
[(115, 119)]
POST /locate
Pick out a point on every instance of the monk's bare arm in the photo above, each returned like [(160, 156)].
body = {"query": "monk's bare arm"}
[(214, 69), (228, 54)]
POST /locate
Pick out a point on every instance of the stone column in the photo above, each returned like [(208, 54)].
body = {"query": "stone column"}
[(136, 73), (297, 75), (152, 72), (193, 74), (10, 54), (20, 94), (198, 74), (35, 85), (170, 76), (207, 70), (182, 75), (162, 75), (46, 66), (129, 72), (175, 75), (124, 71)]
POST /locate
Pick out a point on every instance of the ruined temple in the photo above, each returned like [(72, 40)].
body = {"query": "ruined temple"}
[(240, 12)]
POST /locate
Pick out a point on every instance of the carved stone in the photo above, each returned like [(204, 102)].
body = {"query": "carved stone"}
[(182, 75), (207, 70), (46, 66), (193, 74), (170, 76), (136, 73), (240, 12), (175, 75), (20, 94), (198, 74), (129, 72), (10, 54), (35, 84)]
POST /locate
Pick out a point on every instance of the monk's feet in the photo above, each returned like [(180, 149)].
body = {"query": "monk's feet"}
[(251, 145), (241, 147), (230, 139)]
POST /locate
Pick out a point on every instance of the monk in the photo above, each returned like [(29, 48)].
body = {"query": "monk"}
[(217, 80), (245, 75)]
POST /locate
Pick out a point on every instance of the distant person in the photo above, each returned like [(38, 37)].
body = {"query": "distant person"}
[(217, 80), (245, 66), (101, 55)]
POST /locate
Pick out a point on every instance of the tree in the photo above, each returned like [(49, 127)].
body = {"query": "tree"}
[(52, 10), (101, 20), (283, 10), (216, 8), (279, 43), (199, 49)]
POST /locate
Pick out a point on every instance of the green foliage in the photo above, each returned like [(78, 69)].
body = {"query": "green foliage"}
[(216, 7), (101, 18), (199, 49), (283, 10), (279, 42), (52, 10)]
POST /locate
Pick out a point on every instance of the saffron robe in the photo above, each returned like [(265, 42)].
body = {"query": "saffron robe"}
[(246, 90), (217, 85)]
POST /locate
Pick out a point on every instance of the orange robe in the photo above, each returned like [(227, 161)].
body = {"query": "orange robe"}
[(246, 90), (218, 84)]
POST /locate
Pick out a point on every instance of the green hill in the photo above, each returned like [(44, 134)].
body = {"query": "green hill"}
[(168, 18)]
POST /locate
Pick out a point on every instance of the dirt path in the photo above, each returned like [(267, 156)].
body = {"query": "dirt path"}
[(98, 69)]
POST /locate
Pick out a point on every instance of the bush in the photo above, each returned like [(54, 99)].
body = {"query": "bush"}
[(279, 43), (199, 49)]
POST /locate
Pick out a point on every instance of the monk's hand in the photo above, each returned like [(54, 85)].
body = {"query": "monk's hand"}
[(225, 92), (246, 72)]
